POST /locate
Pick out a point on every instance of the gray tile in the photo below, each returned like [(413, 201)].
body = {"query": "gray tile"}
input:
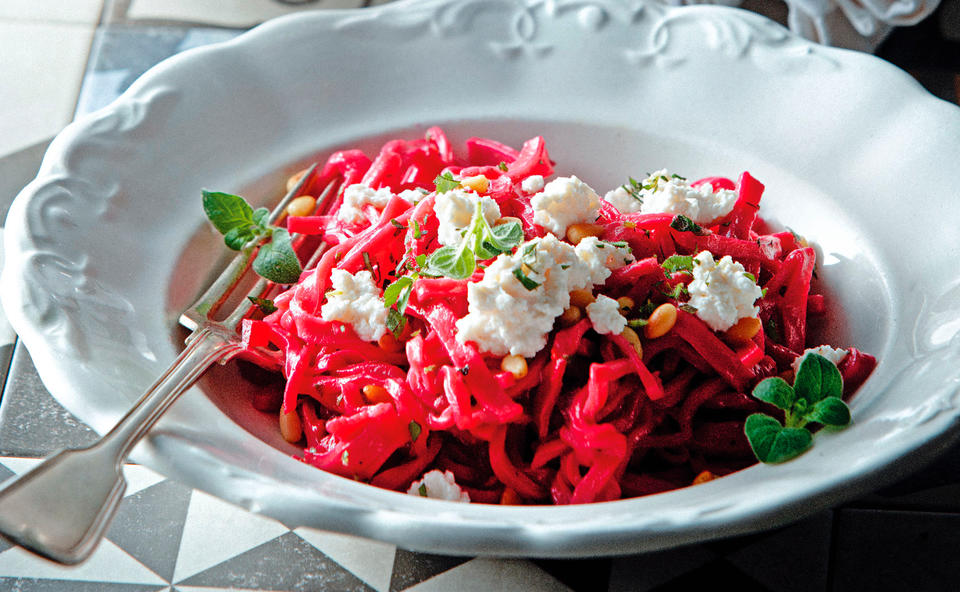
[(38, 585), (284, 563), (149, 524), (884, 550), (411, 568), (32, 423)]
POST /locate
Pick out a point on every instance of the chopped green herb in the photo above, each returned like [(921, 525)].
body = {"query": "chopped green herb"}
[(524, 280), (422, 490), (397, 224), (417, 233), (415, 430), (675, 263), (479, 242), (813, 398), (265, 305), (688, 308), (345, 458), (684, 224), (445, 182), (502, 166), (633, 188), (636, 323)]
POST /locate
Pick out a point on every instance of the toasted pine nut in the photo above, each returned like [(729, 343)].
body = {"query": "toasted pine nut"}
[(508, 219), (703, 477), (630, 225), (374, 393), (294, 179), (661, 321), (478, 183), (301, 206), (626, 304), (744, 330), (510, 497), (579, 231), (514, 364), (631, 336), (290, 427), (571, 316), (389, 343), (582, 298)]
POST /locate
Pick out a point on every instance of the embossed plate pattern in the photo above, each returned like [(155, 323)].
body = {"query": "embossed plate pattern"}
[(102, 246)]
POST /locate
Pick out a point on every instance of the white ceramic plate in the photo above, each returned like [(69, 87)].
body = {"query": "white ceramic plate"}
[(109, 242)]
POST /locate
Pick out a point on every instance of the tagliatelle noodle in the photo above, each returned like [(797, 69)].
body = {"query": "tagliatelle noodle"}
[(592, 419)]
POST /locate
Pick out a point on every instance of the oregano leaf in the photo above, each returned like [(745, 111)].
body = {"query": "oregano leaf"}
[(277, 260), (775, 391), (817, 378), (773, 443), (831, 411), (227, 211)]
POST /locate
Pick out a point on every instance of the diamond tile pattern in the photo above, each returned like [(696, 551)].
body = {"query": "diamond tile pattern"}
[(167, 536)]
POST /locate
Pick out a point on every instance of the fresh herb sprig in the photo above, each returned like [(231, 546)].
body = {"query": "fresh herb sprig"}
[(244, 228), (480, 242), (813, 398)]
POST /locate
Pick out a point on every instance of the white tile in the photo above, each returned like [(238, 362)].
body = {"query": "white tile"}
[(64, 11), (41, 66), (109, 563), (215, 531), (227, 13)]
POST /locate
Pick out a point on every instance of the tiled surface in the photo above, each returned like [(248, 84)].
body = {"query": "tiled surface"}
[(169, 537)]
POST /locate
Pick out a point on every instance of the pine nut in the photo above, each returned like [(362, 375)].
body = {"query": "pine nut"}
[(703, 477), (508, 219), (514, 364), (579, 231), (744, 330), (626, 304), (510, 497), (571, 316), (290, 427), (374, 393), (582, 298), (294, 179), (301, 206), (478, 183), (631, 336), (661, 321), (389, 343)]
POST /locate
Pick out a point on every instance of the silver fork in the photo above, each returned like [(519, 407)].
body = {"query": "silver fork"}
[(63, 507)]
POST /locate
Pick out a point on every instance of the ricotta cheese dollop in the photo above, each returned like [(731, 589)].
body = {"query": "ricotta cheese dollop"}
[(605, 315), (835, 355), (356, 197), (506, 317), (454, 210), (439, 485), (662, 192), (355, 300), (722, 291), (565, 201)]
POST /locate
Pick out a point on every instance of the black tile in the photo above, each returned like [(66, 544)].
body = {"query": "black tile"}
[(584, 575), (38, 585), (884, 550), (410, 568)]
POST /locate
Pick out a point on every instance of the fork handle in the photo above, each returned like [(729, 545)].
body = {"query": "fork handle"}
[(62, 508)]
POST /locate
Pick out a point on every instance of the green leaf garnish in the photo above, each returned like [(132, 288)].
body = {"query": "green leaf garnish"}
[(422, 490), (276, 260), (633, 188), (243, 227), (813, 398), (479, 242), (445, 182)]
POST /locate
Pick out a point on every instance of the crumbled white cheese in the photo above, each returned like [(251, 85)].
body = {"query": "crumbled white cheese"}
[(454, 210), (357, 196), (532, 184), (834, 355), (604, 313), (439, 485), (722, 291), (564, 201), (355, 300), (506, 317), (623, 200), (673, 195)]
